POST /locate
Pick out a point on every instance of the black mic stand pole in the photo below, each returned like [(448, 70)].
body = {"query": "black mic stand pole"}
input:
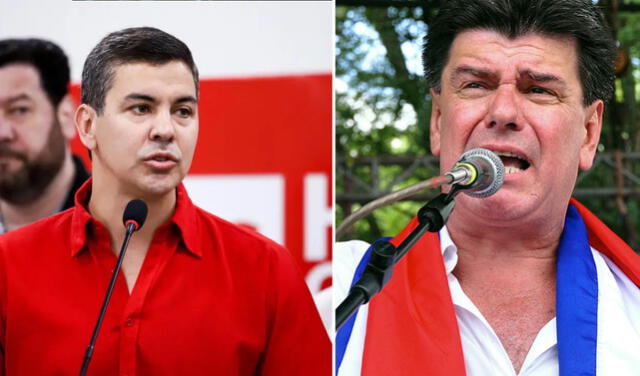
[(431, 217), (130, 228)]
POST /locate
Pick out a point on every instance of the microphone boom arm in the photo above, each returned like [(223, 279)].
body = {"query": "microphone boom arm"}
[(431, 217)]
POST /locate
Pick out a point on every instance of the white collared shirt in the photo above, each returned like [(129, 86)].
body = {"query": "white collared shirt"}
[(618, 343)]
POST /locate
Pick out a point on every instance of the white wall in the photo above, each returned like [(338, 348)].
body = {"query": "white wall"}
[(258, 38)]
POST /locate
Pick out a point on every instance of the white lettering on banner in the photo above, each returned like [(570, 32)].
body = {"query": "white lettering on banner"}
[(317, 275), (317, 217), (254, 200)]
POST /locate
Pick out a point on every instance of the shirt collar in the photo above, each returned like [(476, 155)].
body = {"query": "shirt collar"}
[(545, 339), (184, 218), (449, 250)]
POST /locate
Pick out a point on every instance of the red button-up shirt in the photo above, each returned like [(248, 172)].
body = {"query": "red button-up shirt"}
[(211, 299)]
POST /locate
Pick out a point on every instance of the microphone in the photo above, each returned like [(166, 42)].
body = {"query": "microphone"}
[(479, 170), (135, 213)]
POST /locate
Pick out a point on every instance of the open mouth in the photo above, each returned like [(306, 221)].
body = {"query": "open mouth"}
[(512, 163)]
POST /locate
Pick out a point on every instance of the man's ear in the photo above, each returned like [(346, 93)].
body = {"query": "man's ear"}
[(65, 115), (434, 125), (85, 120), (593, 127)]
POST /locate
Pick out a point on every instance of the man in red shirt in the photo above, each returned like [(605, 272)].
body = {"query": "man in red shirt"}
[(197, 295)]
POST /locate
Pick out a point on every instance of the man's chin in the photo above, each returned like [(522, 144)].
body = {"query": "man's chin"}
[(503, 206), (159, 187), (16, 188), (18, 196)]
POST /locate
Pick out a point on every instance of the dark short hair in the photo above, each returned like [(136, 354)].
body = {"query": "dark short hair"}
[(579, 19), (46, 57), (132, 45)]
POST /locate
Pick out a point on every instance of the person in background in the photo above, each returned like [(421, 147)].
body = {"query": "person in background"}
[(38, 173)]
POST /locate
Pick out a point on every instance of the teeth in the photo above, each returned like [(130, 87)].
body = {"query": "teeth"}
[(511, 170), (508, 154)]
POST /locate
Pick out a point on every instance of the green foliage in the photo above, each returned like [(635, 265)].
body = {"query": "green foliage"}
[(371, 101)]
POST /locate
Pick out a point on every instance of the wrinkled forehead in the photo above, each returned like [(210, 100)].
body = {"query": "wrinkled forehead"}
[(489, 50)]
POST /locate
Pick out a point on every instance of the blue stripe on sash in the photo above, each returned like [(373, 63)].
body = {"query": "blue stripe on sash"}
[(576, 300), (344, 334)]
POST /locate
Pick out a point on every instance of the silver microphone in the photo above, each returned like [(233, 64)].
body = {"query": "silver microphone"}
[(479, 169)]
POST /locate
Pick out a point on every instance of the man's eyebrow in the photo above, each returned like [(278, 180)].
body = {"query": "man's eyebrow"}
[(148, 98), (541, 77), (478, 72), (137, 96), (19, 97), (187, 99)]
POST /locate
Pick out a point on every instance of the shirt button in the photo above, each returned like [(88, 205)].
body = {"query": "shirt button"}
[(128, 321)]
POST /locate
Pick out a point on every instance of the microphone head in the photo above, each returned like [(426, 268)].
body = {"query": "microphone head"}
[(136, 213), (490, 172)]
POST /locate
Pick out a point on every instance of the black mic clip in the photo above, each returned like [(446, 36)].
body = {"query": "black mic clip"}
[(375, 275), (436, 212), (379, 269), (384, 255)]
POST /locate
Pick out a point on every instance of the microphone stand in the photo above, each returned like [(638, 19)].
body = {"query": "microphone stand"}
[(130, 228), (384, 255)]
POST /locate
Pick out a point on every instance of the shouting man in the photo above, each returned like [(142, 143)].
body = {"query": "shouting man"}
[(527, 281)]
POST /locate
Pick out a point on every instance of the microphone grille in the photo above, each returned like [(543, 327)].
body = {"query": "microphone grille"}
[(136, 210), (491, 171)]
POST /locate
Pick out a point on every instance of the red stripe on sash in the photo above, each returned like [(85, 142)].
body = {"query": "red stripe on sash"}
[(412, 328)]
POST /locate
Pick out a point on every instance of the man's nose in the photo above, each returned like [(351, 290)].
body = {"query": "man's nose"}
[(7, 132), (163, 128), (504, 109)]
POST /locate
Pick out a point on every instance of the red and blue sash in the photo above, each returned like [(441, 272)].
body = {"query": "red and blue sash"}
[(412, 328)]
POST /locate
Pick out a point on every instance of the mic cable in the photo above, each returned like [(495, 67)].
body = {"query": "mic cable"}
[(479, 171)]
